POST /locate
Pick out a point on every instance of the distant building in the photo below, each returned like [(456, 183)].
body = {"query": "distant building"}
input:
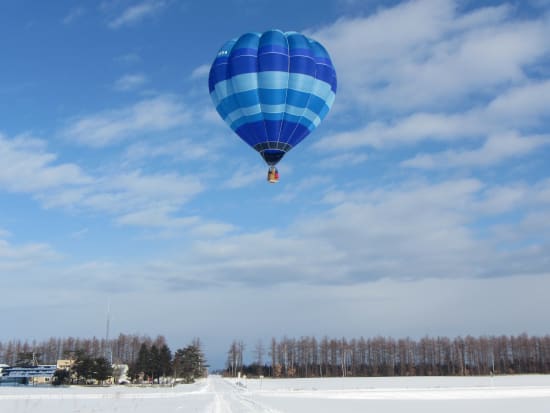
[(120, 374), (28, 375), (65, 364)]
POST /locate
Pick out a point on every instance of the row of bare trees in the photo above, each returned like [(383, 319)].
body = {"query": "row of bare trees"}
[(381, 356), (123, 349)]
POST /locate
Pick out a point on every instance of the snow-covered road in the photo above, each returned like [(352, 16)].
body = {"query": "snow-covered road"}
[(231, 397), (218, 395)]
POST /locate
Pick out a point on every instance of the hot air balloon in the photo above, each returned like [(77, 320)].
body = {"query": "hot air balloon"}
[(273, 89)]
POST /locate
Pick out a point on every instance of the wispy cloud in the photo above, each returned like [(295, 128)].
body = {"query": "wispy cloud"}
[(130, 197), (245, 175), (29, 167), (130, 82), (178, 150), (136, 13), (108, 127), (74, 15), (128, 58), (496, 149), (14, 258), (200, 71)]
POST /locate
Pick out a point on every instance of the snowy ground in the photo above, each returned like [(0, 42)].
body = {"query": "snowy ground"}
[(416, 394)]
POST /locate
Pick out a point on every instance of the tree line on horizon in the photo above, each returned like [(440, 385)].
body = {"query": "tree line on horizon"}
[(383, 356), (148, 359)]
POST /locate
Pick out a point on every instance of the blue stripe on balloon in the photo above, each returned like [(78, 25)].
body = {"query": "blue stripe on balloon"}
[(272, 96), (250, 102), (235, 108)]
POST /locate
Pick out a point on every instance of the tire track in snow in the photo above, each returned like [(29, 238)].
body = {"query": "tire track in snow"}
[(230, 398)]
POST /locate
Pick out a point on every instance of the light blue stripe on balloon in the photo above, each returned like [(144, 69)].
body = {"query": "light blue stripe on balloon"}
[(300, 82), (279, 110), (244, 82), (273, 108), (272, 79), (273, 97)]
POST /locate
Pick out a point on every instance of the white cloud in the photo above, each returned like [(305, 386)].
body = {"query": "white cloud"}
[(138, 12), (130, 82), (526, 105), (243, 176), (133, 198), (414, 230), (517, 108), (19, 258), (135, 191), (28, 167), (150, 115), (200, 72), (496, 149), (179, 150), (155, 216), (74, 14), (290, 193), (344, 159), (430, 56)]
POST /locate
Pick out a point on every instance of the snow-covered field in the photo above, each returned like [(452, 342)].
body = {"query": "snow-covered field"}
[(501, 394)]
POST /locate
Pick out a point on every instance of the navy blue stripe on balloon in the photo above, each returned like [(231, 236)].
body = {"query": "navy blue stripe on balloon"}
[(273, 128), (252, 133), (326, 74), (301, 52), (300, 132), (302, 64), (273, 48), (290, 126), (295, 132), (272, 62), (243, 51), (217, 74), (242, 64)]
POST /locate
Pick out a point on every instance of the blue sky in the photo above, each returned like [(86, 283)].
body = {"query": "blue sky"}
[(421, 205)]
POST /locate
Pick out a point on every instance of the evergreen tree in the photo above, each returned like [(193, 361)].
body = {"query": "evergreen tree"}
[(61, 377), (154, 362), (102, 369), (165, 361), (141, 366), (83, 366), (189, 363)]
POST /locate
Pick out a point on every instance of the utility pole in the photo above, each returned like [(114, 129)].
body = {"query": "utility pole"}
[(108, 351)]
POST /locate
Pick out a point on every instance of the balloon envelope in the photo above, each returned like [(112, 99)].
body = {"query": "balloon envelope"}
[(273, 89)]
